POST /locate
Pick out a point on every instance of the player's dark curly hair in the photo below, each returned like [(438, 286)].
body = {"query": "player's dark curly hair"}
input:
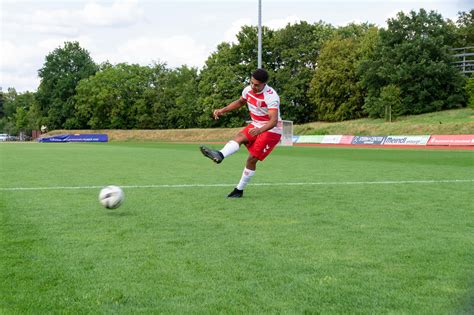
[(260, 75)]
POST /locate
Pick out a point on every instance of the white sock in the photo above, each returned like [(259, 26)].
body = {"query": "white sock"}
[(246, 176), (230, 148)]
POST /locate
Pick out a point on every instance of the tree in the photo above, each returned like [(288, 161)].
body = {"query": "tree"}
[(34, 117), (413, 54), (114, 98), (289, 55), (16, 109), (7, 121), (60, 74), (9, 102), (388, 105), (180, 91), (334, 90), (2, 102), (21, 118), (220, 83), (465, 29), (354, 31), (295, 50), (246, 50), (135, 97)]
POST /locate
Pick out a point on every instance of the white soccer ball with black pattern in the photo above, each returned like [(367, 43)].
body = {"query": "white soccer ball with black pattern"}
[(111, 197)]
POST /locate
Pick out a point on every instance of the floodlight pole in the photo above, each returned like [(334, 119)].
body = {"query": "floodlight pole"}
[(259, 62)]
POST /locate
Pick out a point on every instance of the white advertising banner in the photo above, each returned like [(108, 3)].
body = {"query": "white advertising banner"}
[(310, 139), (333, 139), (406, 140)]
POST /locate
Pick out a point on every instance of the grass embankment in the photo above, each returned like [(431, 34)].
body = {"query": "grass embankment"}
[(458, 121)]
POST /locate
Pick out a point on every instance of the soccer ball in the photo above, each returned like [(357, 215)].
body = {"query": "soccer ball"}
[(111, 197)]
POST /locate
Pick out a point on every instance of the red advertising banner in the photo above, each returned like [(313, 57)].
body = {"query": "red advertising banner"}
[(451, 140)]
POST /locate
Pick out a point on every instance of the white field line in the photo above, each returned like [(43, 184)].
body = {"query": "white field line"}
[(386, 182)]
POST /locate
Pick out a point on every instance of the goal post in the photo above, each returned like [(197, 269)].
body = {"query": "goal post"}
[(287, 134)]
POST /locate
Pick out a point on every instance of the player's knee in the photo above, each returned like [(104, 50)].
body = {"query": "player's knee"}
[(240, 138), (252, 162)]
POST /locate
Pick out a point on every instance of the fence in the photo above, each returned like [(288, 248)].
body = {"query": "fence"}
[(464, 59)]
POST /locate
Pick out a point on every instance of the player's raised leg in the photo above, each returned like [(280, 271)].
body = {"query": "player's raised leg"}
[(230, 148), (212, 154)]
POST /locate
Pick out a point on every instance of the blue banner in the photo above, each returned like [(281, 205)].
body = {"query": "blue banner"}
[(76, 138)]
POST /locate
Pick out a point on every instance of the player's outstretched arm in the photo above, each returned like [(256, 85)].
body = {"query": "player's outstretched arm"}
[(234, 105)]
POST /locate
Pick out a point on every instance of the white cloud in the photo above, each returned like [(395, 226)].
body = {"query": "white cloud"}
[(21, 82), (174, 51), (276, 24), (12, 56), (230, 34), (48, 29), (121, 12), (59, 22), (19, 63), (16, 64)]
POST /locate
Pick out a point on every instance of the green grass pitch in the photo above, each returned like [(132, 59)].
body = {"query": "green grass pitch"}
[(319, 230)]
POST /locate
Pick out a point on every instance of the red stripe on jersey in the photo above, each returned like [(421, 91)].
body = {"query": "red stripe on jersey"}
[(256, 102), (259, 118), (251, 100), (259, 95)]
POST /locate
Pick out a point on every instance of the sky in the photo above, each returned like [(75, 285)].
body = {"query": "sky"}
[(179, 32)]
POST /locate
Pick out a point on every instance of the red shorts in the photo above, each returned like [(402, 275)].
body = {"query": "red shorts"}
[(261, 145)]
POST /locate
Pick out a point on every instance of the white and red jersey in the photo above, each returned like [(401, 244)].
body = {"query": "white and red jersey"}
[(260, 103)]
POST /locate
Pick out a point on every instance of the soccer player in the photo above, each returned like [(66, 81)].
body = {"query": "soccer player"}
[(260, 136)]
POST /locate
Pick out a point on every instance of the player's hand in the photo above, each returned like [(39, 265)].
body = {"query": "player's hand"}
[(217, 113), (255, 132)]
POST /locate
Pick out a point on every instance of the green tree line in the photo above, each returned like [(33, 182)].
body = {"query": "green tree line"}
[(321, 72)]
